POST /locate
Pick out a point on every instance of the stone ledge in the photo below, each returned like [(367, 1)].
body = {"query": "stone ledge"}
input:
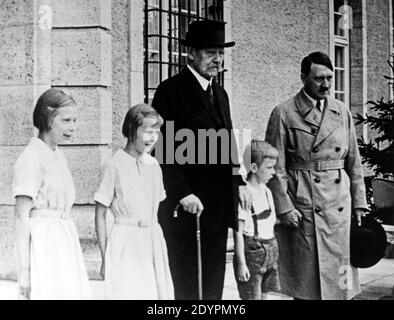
[(81, 13)]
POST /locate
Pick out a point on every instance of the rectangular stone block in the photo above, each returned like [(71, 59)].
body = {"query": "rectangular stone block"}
[(81, 13), (17, 12), (124, 91), (94, 124), (7, 256), (7, 243), (81, 57), (16, 113), (8, 157), (16, 52), (85, 163)]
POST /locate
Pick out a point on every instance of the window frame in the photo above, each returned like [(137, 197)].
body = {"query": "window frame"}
[(342, 42), (169, 14)]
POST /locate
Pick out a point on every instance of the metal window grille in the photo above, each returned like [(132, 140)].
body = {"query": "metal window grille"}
[(166, 22)]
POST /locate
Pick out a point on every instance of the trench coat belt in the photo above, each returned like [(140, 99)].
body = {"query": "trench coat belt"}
[(317, 165), (50, 213), (142, 223)]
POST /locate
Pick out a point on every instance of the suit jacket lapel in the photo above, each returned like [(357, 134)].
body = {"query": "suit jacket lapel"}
[(330, 121)]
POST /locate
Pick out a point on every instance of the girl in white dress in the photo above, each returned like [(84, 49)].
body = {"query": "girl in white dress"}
[(50, 261), (134, 259)]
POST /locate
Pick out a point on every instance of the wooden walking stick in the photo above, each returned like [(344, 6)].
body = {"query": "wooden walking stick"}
[(199, 267), (198, 237)]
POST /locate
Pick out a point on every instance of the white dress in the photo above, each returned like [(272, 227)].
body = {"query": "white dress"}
[(136, 262), (56, 261)]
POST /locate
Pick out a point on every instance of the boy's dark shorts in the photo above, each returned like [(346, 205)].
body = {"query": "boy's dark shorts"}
[(262, 261)]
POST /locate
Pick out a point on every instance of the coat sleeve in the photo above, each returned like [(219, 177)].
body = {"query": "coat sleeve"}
[(354, 169), (175, 180), (277, 137)]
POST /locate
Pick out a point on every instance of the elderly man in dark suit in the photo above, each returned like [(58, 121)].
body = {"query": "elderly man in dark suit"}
[(193, 102)]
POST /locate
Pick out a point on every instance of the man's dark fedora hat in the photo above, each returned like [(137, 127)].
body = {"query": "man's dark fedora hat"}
[(206, 34), (367, 242)]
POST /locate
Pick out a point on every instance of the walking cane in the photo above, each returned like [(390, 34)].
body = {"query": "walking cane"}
[(198, 236), (199, 267)]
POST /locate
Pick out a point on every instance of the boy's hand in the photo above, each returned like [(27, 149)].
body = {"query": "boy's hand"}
[(291, 219), (243, 273)]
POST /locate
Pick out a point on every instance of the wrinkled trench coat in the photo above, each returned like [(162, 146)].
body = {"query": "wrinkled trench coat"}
[(314, 259)]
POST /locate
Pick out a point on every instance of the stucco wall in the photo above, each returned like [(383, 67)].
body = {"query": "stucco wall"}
[(378, 48), (272, 37)]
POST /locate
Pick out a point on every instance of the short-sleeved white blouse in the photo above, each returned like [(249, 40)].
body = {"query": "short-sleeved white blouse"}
[(43, 174), (132, 187)]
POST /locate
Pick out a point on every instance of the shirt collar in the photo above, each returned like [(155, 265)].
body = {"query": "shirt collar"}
[(201, 80), (43, 147), (314, 101), (253, 190)]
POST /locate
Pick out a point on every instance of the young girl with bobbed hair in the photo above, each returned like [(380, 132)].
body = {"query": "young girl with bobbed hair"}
[(50, 261), (134, 258)]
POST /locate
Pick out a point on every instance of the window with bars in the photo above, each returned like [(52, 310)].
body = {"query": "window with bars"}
[(342, 18), (166, 21)]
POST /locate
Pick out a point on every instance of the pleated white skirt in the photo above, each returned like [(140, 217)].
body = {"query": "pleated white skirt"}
[(58, 271), (136, 264)]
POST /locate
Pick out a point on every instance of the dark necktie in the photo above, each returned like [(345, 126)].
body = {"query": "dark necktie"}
[(318, 105), (210, 93)]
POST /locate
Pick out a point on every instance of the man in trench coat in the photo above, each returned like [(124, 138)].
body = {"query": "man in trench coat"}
[(319, 184), (193, 102)]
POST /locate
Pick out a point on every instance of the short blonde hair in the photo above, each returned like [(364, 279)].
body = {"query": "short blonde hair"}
[(135, 118), (257, 151)]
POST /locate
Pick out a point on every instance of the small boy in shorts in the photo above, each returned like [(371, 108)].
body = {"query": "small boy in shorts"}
[(256, 249)]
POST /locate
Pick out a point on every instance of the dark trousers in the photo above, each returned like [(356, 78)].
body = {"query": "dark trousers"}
[(182, 255)]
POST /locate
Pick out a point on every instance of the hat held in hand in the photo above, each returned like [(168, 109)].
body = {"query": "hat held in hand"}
[(206, 34), (367, 242)]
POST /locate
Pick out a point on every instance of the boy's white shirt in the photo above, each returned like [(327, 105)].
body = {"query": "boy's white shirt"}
[(260, 203)]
